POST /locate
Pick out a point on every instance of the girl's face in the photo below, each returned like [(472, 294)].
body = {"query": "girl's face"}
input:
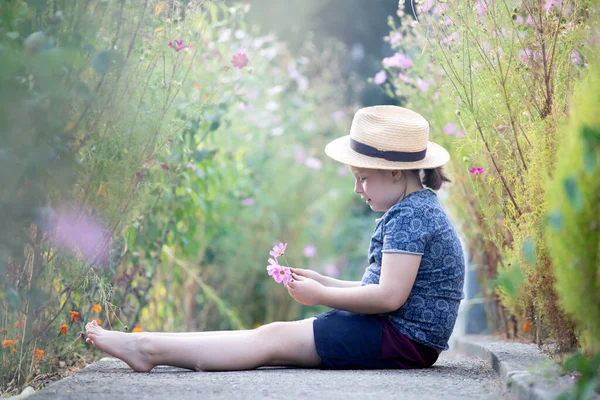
[(380, 189)]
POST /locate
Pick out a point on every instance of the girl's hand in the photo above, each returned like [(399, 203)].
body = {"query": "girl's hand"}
[(305, 290), (308, 273)]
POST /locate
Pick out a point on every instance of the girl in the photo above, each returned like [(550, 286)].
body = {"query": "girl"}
[(402, 312)]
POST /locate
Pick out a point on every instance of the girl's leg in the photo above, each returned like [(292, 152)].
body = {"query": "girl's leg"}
[(186, 334), (278, 343)]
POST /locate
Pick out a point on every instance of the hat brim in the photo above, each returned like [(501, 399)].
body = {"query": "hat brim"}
[(339, 149)]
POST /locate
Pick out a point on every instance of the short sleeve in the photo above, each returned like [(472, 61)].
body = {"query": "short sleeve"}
[(405, 230)]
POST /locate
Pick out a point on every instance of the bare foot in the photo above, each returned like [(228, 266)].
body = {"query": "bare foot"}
[(124, 346)]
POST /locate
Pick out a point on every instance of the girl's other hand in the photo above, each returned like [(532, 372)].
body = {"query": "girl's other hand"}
[(308, 273)]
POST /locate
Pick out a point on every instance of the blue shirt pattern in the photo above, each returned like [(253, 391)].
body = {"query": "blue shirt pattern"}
[(419, 225)]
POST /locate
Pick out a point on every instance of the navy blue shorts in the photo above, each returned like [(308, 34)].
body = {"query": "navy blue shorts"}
[(347, 340)]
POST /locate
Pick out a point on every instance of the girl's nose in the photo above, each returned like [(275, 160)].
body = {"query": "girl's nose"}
[(357, 187)]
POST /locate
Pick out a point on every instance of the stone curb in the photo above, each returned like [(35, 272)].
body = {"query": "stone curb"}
[(525, 372)]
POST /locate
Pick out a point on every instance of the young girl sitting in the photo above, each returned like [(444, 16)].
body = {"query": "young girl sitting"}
[(400, 315)]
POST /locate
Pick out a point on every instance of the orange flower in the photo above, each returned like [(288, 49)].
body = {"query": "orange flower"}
[(64, 329), (527, 326), (19, 323), (38, 354), (8, 344), (98, 321), (74, 316), (96, 308), (13, 351), (137, 329)]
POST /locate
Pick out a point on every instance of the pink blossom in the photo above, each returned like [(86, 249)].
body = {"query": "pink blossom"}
[(177, 45), (550, 4), (395, 38), (529, 21), (575, 57), (338, 115), (476, 171), (278, 249), (460, 134), (310, 250), (422, 85), (87, 234), (380, 78), (449, 128), (164, 166), (239, 60), (481, 8), (452, 38), (404, 77), (248, 201), (284, 274), (440, 8), (313, 163), (448, 21), (519, 20), (486, 46), (332, 270), (299, 155), (273, 267), (397, 61), (526, 54), (426, 6), (436, 96)]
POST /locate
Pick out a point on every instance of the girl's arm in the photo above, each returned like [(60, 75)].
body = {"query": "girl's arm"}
[(325, 280), (332, 282)]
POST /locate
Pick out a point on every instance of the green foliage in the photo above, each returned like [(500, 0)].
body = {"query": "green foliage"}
[(574, 194), (587, 371)]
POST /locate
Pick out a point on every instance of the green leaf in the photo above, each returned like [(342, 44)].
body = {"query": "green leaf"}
[(573, 192), (529, 251), (101, 62), (200, 155), (12, 35), (510, 279)]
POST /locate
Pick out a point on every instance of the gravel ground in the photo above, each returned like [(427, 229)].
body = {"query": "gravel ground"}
[(453, 377)]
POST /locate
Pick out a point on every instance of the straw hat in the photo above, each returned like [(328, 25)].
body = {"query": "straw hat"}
[(388, 137)]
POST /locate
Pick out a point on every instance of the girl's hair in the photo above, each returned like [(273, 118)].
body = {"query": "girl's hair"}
[(434, 178)]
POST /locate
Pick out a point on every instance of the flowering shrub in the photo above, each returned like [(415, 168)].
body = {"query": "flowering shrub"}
[(495, 79)]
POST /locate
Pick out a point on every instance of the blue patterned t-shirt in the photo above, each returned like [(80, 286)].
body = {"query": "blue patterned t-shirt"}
[(419, 225)]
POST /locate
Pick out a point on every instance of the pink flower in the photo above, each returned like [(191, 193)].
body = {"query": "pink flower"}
[(422, 85), (332, 270), (460, 134), (313, 163), (278, 250), (248, 201), (404, 77), (529, 21), (284, 274), (299, 155), (519, 20), (486, 46), (476, 171), (450, 128), (395, 38), (380, 78), (425, 6), (273, 267), (239, 60), (164, 166), (177, 45), (338, 115), (550, 4), (575, 57), (310, 250), (397, 61), (481, 8), (80, 232)]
